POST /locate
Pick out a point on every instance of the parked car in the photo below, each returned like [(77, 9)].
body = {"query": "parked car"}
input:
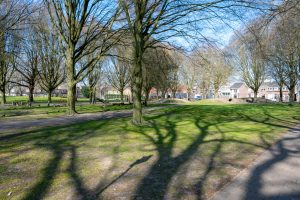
[(198, 98)]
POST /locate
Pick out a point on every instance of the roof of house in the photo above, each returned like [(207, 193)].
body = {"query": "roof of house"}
[(236, 85), (271, 84)]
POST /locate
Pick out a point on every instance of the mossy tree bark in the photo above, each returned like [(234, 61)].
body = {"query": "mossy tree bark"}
[(71, 82), (137, 89), (255, 96), (292, 94), (3, 97), (49, 97), (31, 90)]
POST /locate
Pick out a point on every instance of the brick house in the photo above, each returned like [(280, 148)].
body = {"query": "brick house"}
[(268, 90), (240, 90)]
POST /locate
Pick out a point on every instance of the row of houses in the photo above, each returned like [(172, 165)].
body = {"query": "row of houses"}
[(60, 91), (268, 90)]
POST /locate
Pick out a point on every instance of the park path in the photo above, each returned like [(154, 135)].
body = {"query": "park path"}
[(275, 175), (9, 126)]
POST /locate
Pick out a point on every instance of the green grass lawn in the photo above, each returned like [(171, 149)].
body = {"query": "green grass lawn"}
[(11, 99), (184, 152), (43, 112), (40, 110), (25, 112)]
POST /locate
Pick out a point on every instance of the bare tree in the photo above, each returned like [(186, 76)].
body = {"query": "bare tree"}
[(276, 68), (149, 73), (188, 74), (93, 78), (219, 69), (118, 73), (165, 65), (174, 81), (253, 68), (28, 63), (159, 71), (7, 64), (12, 14), (151, 22), (287, 38), (85, 27), (51, 70)]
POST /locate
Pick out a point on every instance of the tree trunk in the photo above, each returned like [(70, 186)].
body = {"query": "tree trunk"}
[(49, 98), (3, 101), (122, 96), (255, 97), (137, 90), (94, 95), (174, 94), (189, 94), (71, 98), (280, 94), (292, 94), (70, 65), (31, 89), (203, 94), (91, 91), (163, 94), (146, 97), (216, 94)]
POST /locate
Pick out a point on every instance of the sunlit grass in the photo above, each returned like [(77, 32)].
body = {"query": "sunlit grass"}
[(181, 140)]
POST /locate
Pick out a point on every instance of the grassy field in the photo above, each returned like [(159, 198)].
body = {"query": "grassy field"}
[(11, 99), (40, 110), (25, 112), (184, 152), (44, 112)]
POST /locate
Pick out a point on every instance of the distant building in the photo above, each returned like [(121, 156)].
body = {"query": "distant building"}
[(107, 90), (60, 91), (268, 90), (224, 92), (239, 90), (181, 93)]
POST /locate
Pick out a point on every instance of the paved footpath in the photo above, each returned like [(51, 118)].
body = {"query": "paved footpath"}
[(8, 126), (275, 175)]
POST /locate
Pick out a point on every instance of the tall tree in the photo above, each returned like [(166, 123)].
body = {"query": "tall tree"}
[(276, 67), (287, 38), (156, 21), (13, 14), (51, 70), (149, 73), (28, 63), (84, 27), (189, 73), (119, 71), (7, 64), (253, 68), (94, 78), (219, 68)]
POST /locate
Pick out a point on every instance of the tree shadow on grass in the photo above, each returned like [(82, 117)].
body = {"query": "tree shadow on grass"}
[(61, 144), (155, 183), (83, 192), (42, 186), (280, 152)]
